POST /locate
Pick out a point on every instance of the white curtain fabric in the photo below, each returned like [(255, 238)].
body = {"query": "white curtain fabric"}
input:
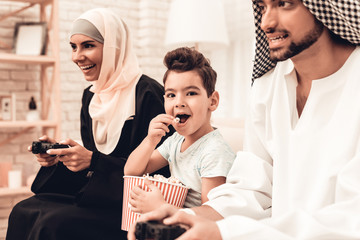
[(234, 63)]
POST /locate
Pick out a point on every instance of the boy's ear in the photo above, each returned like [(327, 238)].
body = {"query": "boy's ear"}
[(214, 100)]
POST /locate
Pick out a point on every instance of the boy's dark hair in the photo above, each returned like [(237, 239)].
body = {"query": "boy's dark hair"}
[(186, 59)]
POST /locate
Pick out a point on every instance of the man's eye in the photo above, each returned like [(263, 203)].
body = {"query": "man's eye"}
[(284, 4), (262, 8)]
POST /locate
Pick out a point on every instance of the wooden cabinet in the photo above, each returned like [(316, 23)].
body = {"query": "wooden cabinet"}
[(50, 111)]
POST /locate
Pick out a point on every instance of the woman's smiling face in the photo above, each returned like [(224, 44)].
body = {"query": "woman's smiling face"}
[(87, 54)]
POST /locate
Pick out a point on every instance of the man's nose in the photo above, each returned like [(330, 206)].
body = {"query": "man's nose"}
[(269, 20)]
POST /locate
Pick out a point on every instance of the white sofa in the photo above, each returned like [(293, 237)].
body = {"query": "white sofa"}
[(232, 129)]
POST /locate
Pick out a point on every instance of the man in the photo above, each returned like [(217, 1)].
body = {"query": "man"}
[(298, 177)]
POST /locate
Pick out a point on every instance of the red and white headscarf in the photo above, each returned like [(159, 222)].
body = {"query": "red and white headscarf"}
[(114, 92), (342, 17)]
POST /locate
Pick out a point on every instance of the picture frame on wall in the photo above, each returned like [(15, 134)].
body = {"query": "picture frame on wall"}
[(7, 107), (30, 38)]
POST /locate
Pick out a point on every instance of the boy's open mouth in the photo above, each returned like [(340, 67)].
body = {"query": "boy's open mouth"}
[(183, 117)]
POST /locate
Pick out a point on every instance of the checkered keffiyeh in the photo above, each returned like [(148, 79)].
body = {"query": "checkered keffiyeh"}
[(342, 17)]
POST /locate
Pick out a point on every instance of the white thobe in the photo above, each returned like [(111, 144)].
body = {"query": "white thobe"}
[(298, 178)]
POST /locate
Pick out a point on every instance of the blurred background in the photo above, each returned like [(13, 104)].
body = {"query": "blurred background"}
[(223, 30)]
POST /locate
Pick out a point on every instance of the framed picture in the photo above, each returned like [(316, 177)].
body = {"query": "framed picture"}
[(7, 107), (30, 38)]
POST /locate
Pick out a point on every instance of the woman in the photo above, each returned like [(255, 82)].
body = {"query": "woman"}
[(78, 190)]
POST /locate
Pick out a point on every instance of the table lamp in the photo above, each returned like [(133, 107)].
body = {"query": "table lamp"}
[(196, 23)]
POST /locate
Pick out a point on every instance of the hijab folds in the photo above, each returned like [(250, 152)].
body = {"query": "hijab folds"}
[(114, 91)]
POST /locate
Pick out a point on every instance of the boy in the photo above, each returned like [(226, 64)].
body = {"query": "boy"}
[(197, 154)]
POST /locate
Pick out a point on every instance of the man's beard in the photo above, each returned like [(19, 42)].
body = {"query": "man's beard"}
[(295, 48)]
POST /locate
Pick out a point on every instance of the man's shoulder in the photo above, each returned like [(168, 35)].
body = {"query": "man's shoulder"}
[(281, 69)]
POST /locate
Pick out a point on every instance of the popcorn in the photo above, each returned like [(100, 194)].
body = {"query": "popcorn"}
[(177, 120), (161, 178)]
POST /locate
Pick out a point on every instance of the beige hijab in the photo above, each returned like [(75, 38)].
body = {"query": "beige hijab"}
[(114, 92)]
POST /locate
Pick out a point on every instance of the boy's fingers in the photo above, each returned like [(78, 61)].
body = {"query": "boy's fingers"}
[(136, 190), (167, 119), (147, 182)]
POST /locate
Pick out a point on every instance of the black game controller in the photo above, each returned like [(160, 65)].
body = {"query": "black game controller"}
[(154, 230), (42, 147)]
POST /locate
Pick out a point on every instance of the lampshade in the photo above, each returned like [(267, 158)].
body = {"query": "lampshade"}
[(195, 23)]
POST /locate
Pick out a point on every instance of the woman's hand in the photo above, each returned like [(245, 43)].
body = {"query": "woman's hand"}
[(159, 126), (75, 158), (45, 159), (142, 201)]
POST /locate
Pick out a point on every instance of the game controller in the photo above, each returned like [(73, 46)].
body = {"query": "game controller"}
[(154, 230), (41, 147)]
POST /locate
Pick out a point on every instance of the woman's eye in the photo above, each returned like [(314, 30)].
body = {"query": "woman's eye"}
[(88, 45), (73, 47)]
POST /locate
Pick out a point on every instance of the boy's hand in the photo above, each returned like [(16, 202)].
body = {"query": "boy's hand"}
[(159, 126), (142, 201)]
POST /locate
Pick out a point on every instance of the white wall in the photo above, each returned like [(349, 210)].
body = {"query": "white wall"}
[(147, 20)]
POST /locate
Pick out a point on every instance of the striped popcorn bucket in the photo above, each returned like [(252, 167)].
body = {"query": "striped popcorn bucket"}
[(173, 193)]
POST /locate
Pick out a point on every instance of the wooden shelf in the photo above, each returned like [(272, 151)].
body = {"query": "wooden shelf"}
[(25, 124), (31, 1), (50, 80), (13, 58)]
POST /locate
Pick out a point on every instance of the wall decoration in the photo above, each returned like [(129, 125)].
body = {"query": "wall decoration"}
[(7, 107), (30, 38)]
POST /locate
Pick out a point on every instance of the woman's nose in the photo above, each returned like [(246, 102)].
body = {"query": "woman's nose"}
[(77, 56)]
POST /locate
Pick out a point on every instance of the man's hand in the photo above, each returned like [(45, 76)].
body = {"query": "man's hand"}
[(198, 227), (164, 211)]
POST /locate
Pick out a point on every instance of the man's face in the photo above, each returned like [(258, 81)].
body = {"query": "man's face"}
[(289, 27)]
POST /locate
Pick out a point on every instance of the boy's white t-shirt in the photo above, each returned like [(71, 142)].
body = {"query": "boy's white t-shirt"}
[(209, 156)]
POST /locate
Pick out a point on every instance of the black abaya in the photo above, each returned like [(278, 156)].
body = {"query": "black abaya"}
[(87, 204)]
